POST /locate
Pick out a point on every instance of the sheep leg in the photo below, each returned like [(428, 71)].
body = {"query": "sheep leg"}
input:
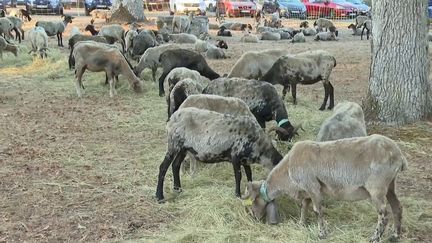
[(112, 85), (331, 95), (237, 174), (22, 33), (294, 93), (17, 34), (176, 170), (154, 69), (169, 157), (361, 36), (161, 81), (367, 34), (305, 204), (378, 199), (326, 95), (248, 172), (396, 209), (106, 79), (316, 202), (79, 71)]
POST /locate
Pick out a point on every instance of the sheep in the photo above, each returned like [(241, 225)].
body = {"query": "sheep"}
[(249, 38), (356, 31), (254, 64), (309, 31), (223, 32), (233, 25), (17, 24), (56, 28), (181, 73), (201, 46), (360, 20), (101, 14), (5, 46), (6, 27), (182, 23), (183, 38), (299, 38), (262, 29), (304, 24), (262, 100), (114, 31), (213, 137), (77, 38), (2, 13), (222, 44), (141, 42), (325, 36), (39, 41), (368, 26), (323, 23), (270, 36), (129, 36), (246, 28), (304, 68), (23, 14), (92, 56), (171, 59), (347, 121), (150, 59), (215, 53), (180, 91), (339, 169)]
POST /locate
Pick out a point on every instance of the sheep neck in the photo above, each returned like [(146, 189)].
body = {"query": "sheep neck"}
[(127, 72), (278, 182)]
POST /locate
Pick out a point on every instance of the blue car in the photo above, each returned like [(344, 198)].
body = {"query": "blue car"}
[(90, 5), (292, 9), (430, 8), (44, 7), (362, 8)]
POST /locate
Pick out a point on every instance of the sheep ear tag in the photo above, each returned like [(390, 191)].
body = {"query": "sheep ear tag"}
[(248, 202)]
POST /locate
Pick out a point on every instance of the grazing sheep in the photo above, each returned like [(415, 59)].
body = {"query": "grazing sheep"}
[(39, 41), (143, 41), (171, 59), (338, 169), (96, 58), (356, 31), (304, 68), (213, 137), (180, 91), (56, 28), (262, 100), (222, 44), (6, 27), (309, 31), (347, 121), (178, 74), (322, 23), (5, 46), (325, 36), (183, 38), (254, 64), (181, 23), (368, 26), (101, 14), (23, 14), (17, 24), (77, 38), (201, 46), (270, 36), (150, 59), (360, 20), (215, 53), (223, 32), (249, 38), (299, 38), (113, 31)]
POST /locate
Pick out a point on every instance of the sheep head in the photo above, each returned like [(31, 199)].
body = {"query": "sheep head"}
[(257, 199), (67, 18), (285, 131), (304, 24)]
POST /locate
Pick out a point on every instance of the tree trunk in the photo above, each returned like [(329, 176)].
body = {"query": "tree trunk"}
[(127, 11), (399, 89)]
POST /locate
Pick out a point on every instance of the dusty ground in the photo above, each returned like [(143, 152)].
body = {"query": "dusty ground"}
[(85, 169)]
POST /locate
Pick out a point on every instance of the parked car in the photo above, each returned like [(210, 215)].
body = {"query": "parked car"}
[(292, 9), (44, 7), (328, 9), (270, 6), (239, 8), (184, 6), (21, 2), (156, 5), (362, 8), (90, 5), (430, 8)]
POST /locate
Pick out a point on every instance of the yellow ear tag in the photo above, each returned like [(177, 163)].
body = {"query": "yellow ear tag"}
[(247, 202)]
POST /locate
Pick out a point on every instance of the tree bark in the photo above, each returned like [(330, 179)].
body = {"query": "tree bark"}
[(127, 11), (399, 89)]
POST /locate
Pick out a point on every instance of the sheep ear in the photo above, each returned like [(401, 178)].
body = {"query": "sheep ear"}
[(272, 213)]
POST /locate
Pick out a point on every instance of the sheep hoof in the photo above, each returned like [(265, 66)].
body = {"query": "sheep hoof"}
[(160, 201), (330, 107), (178, 189), (161, 94), (322, 108)]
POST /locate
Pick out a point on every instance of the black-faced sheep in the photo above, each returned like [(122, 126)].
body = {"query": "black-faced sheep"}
[(39, 41), (339, 169), (6, 46), (97, 58), (304, 68), (223, 31), (56, 28), (347, 121), (222, 44), (213, 137), (262, 100), (171, 59)]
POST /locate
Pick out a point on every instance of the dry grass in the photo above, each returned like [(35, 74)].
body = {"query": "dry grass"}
[(86, 169)]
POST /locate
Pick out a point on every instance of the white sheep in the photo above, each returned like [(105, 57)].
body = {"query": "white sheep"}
[(56, 28), (39, 41), (274, 36), (249, 38), (299, 38), (254, 64), (5, 46), (347, 121), (325, 36), (183, 38), (349, 169), (214, 52)]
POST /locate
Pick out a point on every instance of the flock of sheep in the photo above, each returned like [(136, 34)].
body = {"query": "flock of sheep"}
[(216, 118)]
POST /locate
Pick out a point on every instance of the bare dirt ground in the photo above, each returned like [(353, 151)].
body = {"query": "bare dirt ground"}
[(86, 169)]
